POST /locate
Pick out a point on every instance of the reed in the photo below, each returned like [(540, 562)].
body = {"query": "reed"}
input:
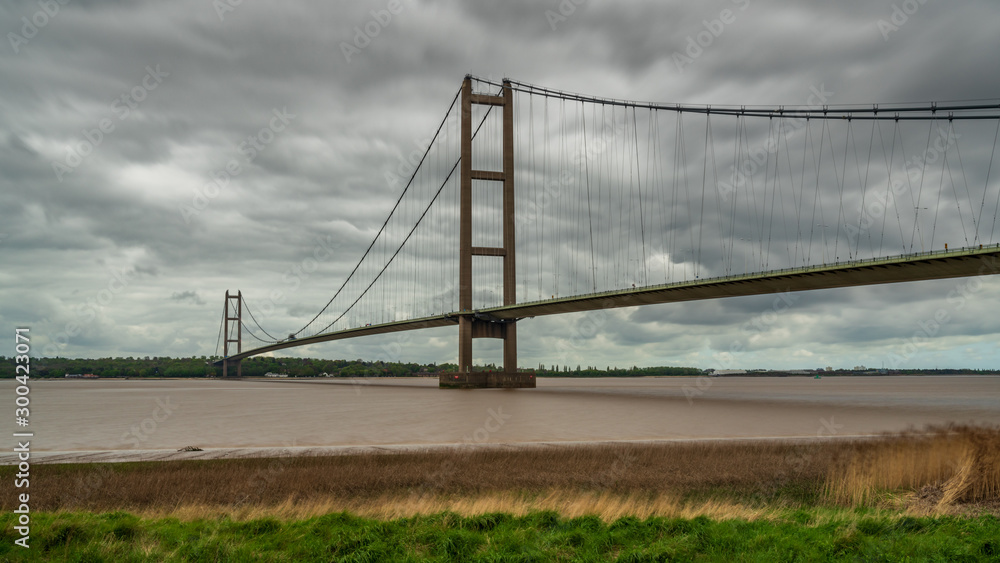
[(568, 503), (962, 461), (716, 479)]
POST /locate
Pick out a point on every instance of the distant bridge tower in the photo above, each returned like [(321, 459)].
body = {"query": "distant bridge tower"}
[(472, 325), (236, 309)]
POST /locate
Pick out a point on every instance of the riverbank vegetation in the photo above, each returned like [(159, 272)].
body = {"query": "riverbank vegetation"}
[(258, 366), (805, 534), (931, 472), (932, 494)]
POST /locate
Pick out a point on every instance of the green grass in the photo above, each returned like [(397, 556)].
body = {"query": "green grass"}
[(797, 535)]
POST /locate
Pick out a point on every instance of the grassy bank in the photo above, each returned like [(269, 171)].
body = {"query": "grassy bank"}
[(932, 495), (816, 534)]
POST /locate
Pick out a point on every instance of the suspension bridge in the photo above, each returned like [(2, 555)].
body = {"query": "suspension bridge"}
[(530, 201)]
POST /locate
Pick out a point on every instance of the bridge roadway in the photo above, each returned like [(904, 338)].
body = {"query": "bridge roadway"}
[(934, 265)]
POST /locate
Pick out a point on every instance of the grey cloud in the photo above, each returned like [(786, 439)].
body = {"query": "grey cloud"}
[(324, 175), (191, 296)]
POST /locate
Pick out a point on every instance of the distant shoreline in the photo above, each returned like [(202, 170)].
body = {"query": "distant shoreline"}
[(280, 367), (779, 374)]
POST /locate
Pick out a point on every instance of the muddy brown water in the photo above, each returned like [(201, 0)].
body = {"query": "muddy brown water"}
[(121, 416)]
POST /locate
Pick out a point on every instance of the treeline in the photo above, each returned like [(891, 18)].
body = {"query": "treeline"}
[(942, 372), (308, 367), (148, 367), (201, 367)]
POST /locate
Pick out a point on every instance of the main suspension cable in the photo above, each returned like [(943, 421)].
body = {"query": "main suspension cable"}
[(382, 229)]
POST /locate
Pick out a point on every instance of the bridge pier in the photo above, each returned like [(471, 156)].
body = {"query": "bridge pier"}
[(487, 380), (238, 364)]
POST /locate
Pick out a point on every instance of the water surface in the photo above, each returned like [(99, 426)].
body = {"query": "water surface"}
[(121, 415)]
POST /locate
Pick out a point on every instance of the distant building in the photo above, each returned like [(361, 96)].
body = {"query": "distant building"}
[(81, 376), (829, 368), (729, 372), (271, 374), (860, 368)]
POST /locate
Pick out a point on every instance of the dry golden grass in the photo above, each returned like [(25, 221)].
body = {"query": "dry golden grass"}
[(963, 463), (570, 504), (751, 467), (746, 480), (978, 475)]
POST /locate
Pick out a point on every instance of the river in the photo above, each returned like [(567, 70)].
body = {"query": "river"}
[(132, 419)]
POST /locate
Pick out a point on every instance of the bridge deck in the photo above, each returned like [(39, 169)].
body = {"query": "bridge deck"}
[(904, 268)]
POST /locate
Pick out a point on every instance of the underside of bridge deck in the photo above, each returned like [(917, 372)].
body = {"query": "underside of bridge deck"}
[(908, 268)]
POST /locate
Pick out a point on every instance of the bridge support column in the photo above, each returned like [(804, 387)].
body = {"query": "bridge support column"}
[(233, 325), (465, 344), (469, 325), (237, 365), (510, 347)]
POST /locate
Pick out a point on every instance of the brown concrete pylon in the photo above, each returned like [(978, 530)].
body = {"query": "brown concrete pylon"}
[(470, 325), (237, 308)]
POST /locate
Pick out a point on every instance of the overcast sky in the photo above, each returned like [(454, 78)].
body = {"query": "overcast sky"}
[(114, 116)]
